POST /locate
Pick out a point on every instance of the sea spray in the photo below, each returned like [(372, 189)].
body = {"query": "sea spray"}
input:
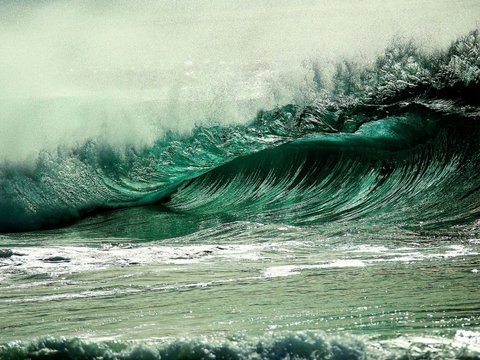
[(408, 101)]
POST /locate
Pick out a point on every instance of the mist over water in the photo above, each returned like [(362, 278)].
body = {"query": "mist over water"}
[(125, 72)]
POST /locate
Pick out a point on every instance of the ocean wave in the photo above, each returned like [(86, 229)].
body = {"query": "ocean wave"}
[(395, 140)]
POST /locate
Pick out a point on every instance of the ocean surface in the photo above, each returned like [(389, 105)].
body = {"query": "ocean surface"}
[(343, 223)]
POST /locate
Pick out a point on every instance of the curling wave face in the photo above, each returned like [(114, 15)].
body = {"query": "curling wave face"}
[(396, 142)]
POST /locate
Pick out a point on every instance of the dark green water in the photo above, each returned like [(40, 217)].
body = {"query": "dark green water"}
[(346, 228)]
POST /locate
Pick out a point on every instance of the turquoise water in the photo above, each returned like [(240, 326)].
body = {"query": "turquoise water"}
[(345, 227)]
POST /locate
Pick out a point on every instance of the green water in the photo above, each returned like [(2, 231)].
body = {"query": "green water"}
[(241, 280)]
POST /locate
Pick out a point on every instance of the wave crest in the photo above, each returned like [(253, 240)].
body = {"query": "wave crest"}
[(408, 102)]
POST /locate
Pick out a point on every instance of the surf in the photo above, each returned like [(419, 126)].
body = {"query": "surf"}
[(303, 345), (405, 125)]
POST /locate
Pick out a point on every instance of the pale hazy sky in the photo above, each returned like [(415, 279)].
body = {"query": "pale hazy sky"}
[(149, 33)]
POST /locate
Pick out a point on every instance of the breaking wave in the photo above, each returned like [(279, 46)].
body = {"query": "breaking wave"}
[(293, 345), (395, 142)]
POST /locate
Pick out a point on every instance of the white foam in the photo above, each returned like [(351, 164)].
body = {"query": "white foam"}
[(281, 271), (58, 260)]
